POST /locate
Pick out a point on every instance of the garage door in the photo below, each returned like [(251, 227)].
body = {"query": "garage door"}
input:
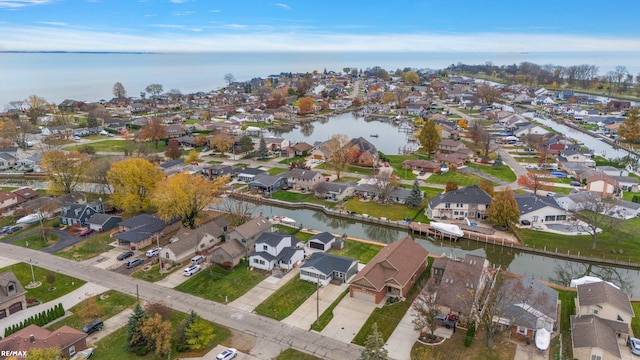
[(364, 296), (317, 157), (316, 245), (14, 308)]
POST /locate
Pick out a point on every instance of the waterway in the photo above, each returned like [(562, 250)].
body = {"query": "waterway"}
[(539, 267), (390, 139)]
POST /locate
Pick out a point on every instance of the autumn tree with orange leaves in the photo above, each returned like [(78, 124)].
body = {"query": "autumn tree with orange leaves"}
[(534, 181), (133, 182), (154, 131), (306, 105)]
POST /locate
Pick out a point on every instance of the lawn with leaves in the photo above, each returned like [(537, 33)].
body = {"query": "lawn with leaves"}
[(61, 285), (293, 354), (91, 247), (286, 299), (116, 145), (110, 303), (358, 250), (288, 161), (461, 179), (219, 284), (153, 273), (374, 209), (37, 242), (276, 171), (291, 196), (501, 172), (350, 169)]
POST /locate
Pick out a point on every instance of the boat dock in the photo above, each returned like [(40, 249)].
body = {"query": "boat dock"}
[(470, 232)]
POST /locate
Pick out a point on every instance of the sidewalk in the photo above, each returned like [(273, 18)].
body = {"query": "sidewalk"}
[(68, 301), (263, 290)]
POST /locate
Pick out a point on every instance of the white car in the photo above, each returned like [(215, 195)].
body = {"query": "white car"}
[(634, 344), (191, 270), (227, 354), (153, 252)]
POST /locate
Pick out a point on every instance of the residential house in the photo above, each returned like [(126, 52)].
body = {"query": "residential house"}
[(66, 338), (535, 209), (469, 202), (603, 185), (449, 146), (577, 157), (322, 150), (368, 154), (527, 305), (301, 148), (247, 175), (605, 301), (612, 171), (239, 242), (268, 183), (143, 230), (332, 191), (102, 222), (172, 166), (322, 268), (276, 143), (391, 272), (8, 201), (217, 170), (530, 129), (459, 283), (12, 295), (454, 160), (322, 241), (7, 161), (427, 166), (77, 214), (578, 201), (302, 179), (274, 249), (595, 338), (449, 132), (187, 242), (626, 183), (175, 130)]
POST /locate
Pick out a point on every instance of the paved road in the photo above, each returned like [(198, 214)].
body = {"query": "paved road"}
[(267, 329), (65, 239)]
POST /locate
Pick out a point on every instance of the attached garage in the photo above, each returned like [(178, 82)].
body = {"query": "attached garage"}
[(363, 295)]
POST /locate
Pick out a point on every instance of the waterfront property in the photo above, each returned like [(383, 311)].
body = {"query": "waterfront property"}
[(239, 242), (469, 202), (322, 268), (274, 249)]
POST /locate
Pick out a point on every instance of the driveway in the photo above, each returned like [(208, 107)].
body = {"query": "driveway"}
[(110, 326), (306, 314), (530, 352), (65, 239), (263, 290), (479, 173), (348, 318), (403, 337)]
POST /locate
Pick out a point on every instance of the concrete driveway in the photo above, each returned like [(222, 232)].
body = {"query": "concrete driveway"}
[(110, 325), (348, 318), (403, 337), (306, 314), (263, 290), (530, 352)]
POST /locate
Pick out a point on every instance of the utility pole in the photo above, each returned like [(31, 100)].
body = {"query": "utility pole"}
[(318, 299)]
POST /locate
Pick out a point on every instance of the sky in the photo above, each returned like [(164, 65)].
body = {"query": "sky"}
[(303, 25)]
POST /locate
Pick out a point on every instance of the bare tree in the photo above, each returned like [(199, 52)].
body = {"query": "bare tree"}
[(383, 183), (595, 212), (425, 310), (154, 130), (238, 211), (118, 90), (574, 270), (338, 153), (154, 89), (229, 78), (488, 94), (481, 137)]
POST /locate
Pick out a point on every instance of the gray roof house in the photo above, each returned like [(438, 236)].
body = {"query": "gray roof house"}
[(239, 242), (321, 268), (143, 230), (217, 170), (332, 191), (274, 249), (103, 222), (322, 241), (539, 209), (605, 301), (73, 213), (267, 183), (595, 338), (248, 174), (471, 202), (303, 179), (12, 294), (187, 242)]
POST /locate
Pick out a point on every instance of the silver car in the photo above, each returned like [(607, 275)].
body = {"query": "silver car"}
[(634, 344)]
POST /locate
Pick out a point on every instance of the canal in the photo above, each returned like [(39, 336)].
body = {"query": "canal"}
[(537, 266)]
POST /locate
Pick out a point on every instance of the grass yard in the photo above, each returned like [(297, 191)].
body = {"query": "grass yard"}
[(460, 178), (635, 322), (503, 172), (63, 284), (36, 242), (454, 348), (291, 196), (114, 145), (287, 299), (276, 171), (396, 162), (567, 308), (431, 192), (288, 161), (350, 169), (154, 274), (347, 179), (326, 317), (527, 160), (389, 211), (359, 250), (215, 283), (291, 230), (114, 346), (293, 354), (620, 244), (389, 316), (114, 303), (93, 246)]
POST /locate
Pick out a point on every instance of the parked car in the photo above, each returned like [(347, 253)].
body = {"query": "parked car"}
[(551, 194), (4, 229), (125, 255), (447, 321), (93, 327), (227, 354), (634, 344), (13, 229), (422, 173), (86, 232), (134, 262), (83, 354), (191, 270), (153, 252), (575, 183), (198, 259)]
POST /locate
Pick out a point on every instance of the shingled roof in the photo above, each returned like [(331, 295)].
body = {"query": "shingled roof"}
[(467, 195), (601, 292)]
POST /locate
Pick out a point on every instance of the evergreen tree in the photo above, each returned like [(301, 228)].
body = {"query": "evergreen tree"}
[(498, 162), (415, 197), (374, 347), (136, 342), (263, 152)]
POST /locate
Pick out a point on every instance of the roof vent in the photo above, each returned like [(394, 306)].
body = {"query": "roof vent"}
[(32, 338)]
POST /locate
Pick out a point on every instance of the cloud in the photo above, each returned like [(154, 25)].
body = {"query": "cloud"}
[(214, 11), (13, 4), (54, 23), (183, 13), (178, 1), (236, 26), (283, 6)]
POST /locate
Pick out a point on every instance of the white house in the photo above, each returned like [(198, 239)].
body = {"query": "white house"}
[(469, 202), (276, 249), (321, 268), (530, 129), (535, 209), (187, 242), (303, 179), (322, 241)]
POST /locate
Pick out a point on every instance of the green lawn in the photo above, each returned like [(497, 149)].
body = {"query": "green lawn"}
[(389, 211), (347, 179), (350, 169), (326, 317), (460, 178), (431, 192), (63, 284), (276, 171), (219, 284), (113, 303), (288, 161), (609, 244), (37, 242), (359, 250), (287, 299), (114, 346), (527, 160), (293, 354), (503, 172), (568, 308), (389, 316), (153, 274), (117, 145), (93, 246), (635, 322), (291, 196), (396, 162)]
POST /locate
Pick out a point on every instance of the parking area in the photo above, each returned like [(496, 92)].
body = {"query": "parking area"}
[(348, 318)]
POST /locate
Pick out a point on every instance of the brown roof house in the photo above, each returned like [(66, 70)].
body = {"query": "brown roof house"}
[(187, 242), (602, 184), (391, 272), (240, 242), (67, 339), (605, 301), (12, 294), (459, 283), (596, 338)]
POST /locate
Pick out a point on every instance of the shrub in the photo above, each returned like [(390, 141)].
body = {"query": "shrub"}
[(471, 332)]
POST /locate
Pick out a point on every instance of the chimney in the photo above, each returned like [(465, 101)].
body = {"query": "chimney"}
[(32, 338)]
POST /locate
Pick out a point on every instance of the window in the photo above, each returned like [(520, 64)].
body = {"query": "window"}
[(11, 288), (438, 271), (459, 205), (166, 255), (72, 349), (594, 311), (265, 247), (522, 330), (561, 217), (550, 218), (447, 205), (596, 357)]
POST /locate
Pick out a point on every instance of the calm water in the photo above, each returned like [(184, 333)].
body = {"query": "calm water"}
[(90, 77)]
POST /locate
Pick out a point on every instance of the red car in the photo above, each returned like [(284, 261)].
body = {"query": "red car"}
[(86, 232)]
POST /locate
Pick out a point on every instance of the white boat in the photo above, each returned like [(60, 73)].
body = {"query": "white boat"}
[(284, 219), (29, 219), (542, 339), (448, 229)]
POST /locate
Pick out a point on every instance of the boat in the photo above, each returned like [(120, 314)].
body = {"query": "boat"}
[(374, 135), (447, 229), (284, 219), (542, 339), (29, 219)]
